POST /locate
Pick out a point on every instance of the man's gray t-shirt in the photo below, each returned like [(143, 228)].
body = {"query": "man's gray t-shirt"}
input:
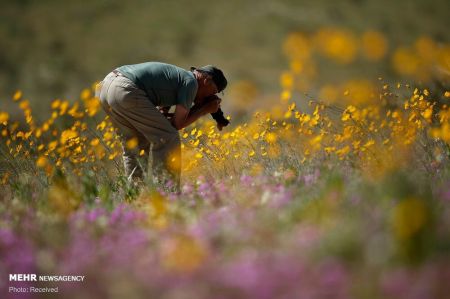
[(165, 84)]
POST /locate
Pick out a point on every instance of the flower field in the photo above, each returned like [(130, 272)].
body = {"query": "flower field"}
[(337, 190)]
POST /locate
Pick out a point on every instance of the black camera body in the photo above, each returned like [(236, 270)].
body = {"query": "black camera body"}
[(220, 119)]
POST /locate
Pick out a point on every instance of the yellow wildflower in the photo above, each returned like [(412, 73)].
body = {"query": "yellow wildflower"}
[(41, 161), (131, 143), (17, 95), (271, 137), (4, 117), (66, 135)]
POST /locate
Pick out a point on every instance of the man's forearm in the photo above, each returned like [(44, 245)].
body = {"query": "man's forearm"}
[(194, 114), (184, 117)]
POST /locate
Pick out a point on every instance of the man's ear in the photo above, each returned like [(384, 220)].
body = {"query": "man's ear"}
[(206, 80)]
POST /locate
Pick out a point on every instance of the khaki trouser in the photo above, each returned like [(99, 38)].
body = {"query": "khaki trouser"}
[(135, 116)]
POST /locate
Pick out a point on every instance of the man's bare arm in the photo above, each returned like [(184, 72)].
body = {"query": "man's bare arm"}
[(184, 117), (179, 117)]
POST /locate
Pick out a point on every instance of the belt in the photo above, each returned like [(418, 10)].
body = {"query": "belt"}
[(117, 73)]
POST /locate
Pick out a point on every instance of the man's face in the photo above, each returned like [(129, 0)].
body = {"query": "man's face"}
[(206, 87), (210, 88)]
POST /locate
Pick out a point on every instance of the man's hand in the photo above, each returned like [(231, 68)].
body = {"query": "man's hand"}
[(212, 104), (165, 111)]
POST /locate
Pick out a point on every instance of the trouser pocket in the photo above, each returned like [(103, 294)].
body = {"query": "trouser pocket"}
[(126, 94)]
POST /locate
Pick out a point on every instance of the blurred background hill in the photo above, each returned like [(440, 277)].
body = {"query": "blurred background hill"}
[(52, 49)]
